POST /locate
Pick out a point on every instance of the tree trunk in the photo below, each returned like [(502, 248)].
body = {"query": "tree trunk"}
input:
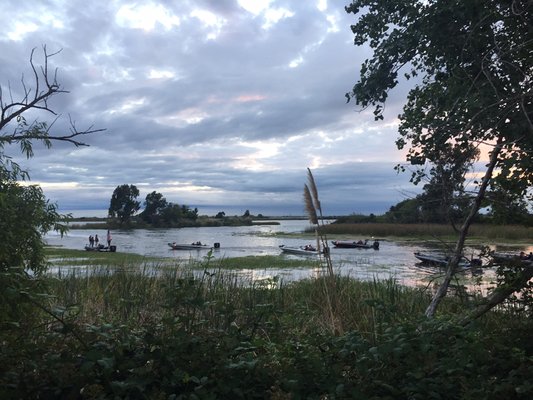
[(454, 261), (499, 295)]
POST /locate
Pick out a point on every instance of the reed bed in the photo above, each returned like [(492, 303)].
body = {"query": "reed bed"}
[(219, 300), (510, 232)]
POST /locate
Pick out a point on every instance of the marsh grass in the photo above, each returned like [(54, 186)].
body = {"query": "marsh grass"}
[(221, 299), (511, 232), (264, 262), (138, 291), (63, 256)]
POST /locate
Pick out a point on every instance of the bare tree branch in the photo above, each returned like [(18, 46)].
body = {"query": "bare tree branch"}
[(36, 97)]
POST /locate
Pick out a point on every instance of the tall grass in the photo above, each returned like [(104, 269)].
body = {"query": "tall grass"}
[(511, 232), (221, 300)]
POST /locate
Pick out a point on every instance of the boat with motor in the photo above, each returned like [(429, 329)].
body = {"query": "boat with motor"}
[(512, 259), (442, 260), (306, 250), (347, 244), (101, 248), (191, 246)]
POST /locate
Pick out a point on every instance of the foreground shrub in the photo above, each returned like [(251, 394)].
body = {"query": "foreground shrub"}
[(207, 338)]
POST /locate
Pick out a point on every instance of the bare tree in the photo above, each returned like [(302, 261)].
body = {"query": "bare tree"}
[(34, 97)]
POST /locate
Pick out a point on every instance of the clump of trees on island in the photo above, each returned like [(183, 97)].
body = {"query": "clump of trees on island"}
[(157, 211), (124, 209)]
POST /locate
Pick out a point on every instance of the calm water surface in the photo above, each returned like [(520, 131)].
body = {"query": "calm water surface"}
[(392, 260)]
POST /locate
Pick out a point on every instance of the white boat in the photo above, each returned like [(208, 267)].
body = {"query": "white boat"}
[(442, 260), (191, 246), (307, 250)]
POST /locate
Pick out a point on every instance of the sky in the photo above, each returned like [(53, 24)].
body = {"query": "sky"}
[(220, 105)]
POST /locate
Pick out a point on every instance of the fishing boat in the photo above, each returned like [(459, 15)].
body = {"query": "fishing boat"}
[(191, 246), (101, 248), (509, 259), (442, 260), (346, 244), (306, 250)]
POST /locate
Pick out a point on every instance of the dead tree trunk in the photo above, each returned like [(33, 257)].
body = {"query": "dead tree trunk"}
[(458, 251)]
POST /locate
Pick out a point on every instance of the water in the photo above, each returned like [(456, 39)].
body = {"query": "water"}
[(394, 259)]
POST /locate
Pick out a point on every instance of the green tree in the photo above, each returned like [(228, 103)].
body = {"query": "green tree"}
[(171, 214), (25, 217), (507, 207), (405, 212), (473, 64), (124, 203), (25, 214), (189, 213), (154, 204), (444, 198)]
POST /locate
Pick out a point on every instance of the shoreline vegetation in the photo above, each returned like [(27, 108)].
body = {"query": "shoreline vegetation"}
[(339, 229), (130, 333), (202, 221)]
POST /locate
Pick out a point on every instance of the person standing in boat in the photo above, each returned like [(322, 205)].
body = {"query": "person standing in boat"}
[(91, 240), (109, 238), (96, 240)]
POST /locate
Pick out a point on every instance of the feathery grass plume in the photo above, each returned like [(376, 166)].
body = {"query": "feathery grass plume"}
[(309, 206), (314, 212), (314, 190)]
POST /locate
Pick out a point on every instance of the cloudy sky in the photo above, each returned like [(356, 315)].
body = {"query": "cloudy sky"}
[(216, 104)]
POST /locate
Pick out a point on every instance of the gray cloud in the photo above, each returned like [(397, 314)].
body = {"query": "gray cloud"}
[(206, 103)]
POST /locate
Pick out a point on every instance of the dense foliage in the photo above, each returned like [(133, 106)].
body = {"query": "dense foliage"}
[(157, 212), (126, 335), (472, 65), (124, 204), (471, 71), (25, 216)]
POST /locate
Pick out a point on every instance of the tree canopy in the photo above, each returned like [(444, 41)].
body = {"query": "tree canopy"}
[(124, 203), (472, 62), (153, 206), (472, 66)]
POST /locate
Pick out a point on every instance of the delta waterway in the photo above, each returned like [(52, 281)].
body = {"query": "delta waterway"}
[(394, 259)]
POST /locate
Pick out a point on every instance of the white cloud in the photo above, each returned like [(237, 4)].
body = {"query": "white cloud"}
[(146, 17), (206, 102)]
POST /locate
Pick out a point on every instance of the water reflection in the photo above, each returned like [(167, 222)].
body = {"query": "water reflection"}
[(394, 259)]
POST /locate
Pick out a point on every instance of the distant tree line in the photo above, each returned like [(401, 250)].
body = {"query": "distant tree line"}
[(443, 206), (157, 210)]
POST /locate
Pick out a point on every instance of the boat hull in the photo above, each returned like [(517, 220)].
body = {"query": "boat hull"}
[(298, 250), (101, 248), (177, 246), (344, 244), (442, 260), (507, 259)]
